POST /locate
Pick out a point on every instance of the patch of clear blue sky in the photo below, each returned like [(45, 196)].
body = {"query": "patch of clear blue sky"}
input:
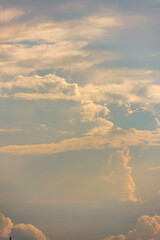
[(141, 120)]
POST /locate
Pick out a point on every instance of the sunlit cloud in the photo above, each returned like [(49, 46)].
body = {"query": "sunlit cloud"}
[(10, 130), (154, 168), (5, 226), (79, 78), (118, 138), (19, 231), (120, 177), (9, 14), (147, 228)]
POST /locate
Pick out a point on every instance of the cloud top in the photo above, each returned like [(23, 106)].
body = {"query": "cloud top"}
[(19, 231)]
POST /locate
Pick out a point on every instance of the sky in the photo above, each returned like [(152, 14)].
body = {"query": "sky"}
[(79, 120)]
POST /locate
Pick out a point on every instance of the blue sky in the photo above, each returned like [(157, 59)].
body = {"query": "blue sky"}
[(80, 120)]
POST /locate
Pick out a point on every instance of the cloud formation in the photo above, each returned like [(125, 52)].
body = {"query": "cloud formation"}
[(27, 232), (9, 14), (19, 231), (120, 177), (10, 130), (6, 226), (118, 138), (88, 28), (38, 44), (154, 168), (119, 237), (147, 228), (123, 90)]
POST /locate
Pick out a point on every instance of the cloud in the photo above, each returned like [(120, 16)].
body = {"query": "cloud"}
[(66, 54), (154, 168), (102, 127), (54, 87), (90, 110), (10, 130), (45, 127), (5, 226), (89, 28), (19, 231), (123, 186), (9, 14), (125, 90), (52, 44), (27, 232), (119, 237), (147, 228), (87, 142), (117, 138), (157, 122)]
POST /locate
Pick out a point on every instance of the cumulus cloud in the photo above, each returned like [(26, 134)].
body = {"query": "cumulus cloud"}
[(53, 87), (6, 226), (19, 231), (90, 110), (147, 228), (27, 232), (120, 177), (102, 127), (93, 96)]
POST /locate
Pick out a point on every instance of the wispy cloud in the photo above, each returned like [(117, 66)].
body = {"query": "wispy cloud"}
[(10, 130), (118, 138), (9, 14), (154, 168)]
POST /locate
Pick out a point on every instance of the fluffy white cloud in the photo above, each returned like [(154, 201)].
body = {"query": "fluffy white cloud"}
[(147, 228), (19, 231), (123, 186)]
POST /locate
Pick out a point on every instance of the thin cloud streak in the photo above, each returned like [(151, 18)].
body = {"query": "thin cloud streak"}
[(117, 139)]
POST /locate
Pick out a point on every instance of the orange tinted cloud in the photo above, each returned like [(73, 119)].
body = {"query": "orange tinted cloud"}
[(19, 231)]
